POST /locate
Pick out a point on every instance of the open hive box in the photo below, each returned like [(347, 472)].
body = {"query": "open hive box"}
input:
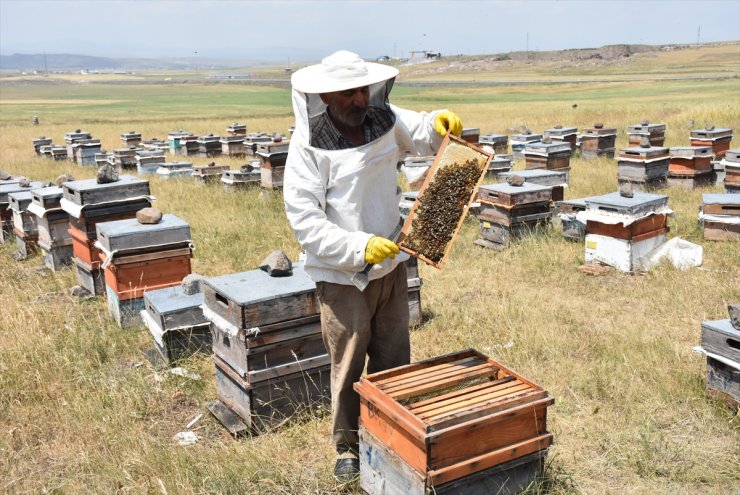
[(454, 415), (439, 210)]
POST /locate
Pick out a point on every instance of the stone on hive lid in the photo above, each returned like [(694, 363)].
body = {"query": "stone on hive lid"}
[(277, 264), (4, 175), (598, 125), (626, 190), (645, 122), (515, 180), (24, 182), (645, 142), (149, 216), (107, 173), (734, 310), (63, 178), (192, 284)]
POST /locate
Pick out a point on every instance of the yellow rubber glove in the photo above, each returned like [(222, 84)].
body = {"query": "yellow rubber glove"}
[(448, 121), (379, 248)]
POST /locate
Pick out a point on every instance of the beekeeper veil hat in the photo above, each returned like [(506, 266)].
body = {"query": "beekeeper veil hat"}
[(340, 71)]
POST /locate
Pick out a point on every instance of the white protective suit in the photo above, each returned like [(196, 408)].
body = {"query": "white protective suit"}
[(336, 200)]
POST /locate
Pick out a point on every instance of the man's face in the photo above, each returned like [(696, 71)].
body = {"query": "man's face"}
[(348, 107)]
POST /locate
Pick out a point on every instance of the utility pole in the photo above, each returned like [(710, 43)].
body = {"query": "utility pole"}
[(46, 68), (698, 35), (526, 52)]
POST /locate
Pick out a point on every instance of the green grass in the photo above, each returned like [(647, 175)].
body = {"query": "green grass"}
[(81, 411)]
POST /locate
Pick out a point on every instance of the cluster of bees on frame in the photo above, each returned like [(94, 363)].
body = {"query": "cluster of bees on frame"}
[(440, 208)]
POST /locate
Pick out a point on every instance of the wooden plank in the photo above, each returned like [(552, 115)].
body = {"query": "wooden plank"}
[(430, 374), (423, 370), (374, 400), (439, 435), (289, 368), (423, 405), (400, 440), (501, 392), (477, 372), (484, 409), (489, 459), (720, 209), (409, 368), (466, 444)]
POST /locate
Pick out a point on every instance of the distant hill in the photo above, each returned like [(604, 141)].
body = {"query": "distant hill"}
[(67, 62)]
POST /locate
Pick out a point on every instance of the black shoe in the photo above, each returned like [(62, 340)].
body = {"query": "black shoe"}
[(347, 469)]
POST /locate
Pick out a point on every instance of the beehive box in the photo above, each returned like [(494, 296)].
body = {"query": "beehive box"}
[(654, 132), (567, 211), (23, 220), (438, 212), (176, 322), (452, 416), (271, 351), (701, 179), (718, 138), (690, 160), (241, 179), (723, 381), (719, 337), (131, 138), (254, 299), (643, 165), (125, 235), (499, 142), (130, 275), (563, 134), (237, 129), (624, 255), (56, 257), (39, 142), (88, 191), (173, 170), (233, 145), (91, 215), (383, 472), (639, 204), (265, 404), (519, 141), (470, 134), (415, 170), (127, 313), (550, 156), (598, 141), (541, 177), (510, 196), (89, 278)]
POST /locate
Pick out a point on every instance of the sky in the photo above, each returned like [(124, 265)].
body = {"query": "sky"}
[(293, 31)]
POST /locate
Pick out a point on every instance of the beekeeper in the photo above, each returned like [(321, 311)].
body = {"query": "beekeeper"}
[(341, 198)]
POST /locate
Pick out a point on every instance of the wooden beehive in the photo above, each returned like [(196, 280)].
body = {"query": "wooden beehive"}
[(510, 196), (233, 145), (720, 216), (454, 415), (718, 138), (499, 142), (130, 275), (563, 134), (254, 299), (88, 191), (690, 160), (176, 322), (654, 132), (436, 208)]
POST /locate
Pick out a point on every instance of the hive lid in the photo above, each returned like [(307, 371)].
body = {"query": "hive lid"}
[(47, 193), (561, 131), (130, 234), (638, 152), (92, 184), (506, 188), (20, 198), (645, 128), (175, 165), (492, 138), (232, 139), (722, 326), (547, 148), (503, 157), (711, 133), (690, 151), (533, 174), (595, 131), (721, 199), (527, 138), (11, 188), (257, 286), (639, 203), (172, 299)]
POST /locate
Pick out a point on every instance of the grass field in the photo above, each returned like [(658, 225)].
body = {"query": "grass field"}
[(82, 411)]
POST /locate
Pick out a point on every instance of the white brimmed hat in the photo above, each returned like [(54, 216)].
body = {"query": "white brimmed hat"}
[(339, 71)]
